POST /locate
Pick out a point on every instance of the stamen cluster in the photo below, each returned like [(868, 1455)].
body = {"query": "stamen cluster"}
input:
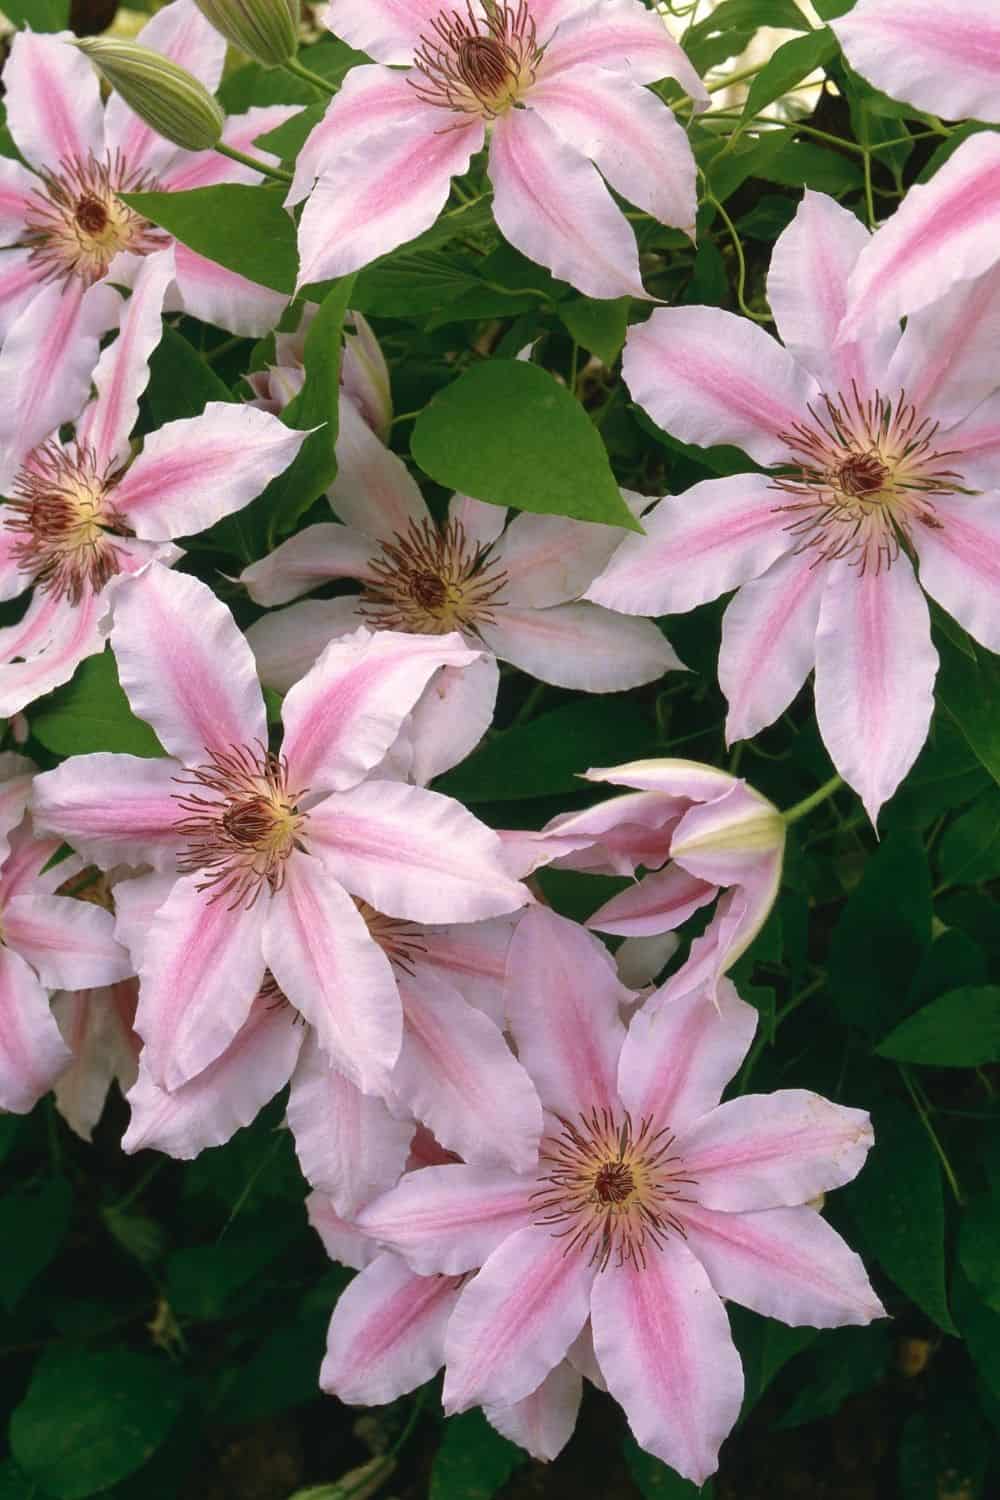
[(611, 1187), (400, 941), (61, 510), (478, 65), (429, 581), (77, 224), (240, 835)]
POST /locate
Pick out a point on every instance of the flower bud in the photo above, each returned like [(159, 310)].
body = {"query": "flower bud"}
[(168, 99), (364, 375), (266, 30)]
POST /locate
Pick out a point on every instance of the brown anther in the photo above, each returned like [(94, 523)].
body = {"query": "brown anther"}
[(482, 64), (861, 474), (477, 64), (614, 1182), (61, 511), (77, 223), (91, 215), (429, 580)]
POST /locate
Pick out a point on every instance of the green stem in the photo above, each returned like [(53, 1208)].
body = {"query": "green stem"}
[(308, 76), (531, 702), (741, 281), (278, 173), (733, 78), (925, 1120), (821, 795)]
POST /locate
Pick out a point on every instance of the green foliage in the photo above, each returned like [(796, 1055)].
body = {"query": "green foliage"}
[(246, 229), (40, 15), (473, 1462), (34, 1220), (92, 713), (792, 62), (958, 1030)]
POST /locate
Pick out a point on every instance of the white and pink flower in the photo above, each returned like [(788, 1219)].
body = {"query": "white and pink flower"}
[(68, 234), (556, 86), (880, 454), (267, 850), (650, 1204), (364, 374), (84, 512)]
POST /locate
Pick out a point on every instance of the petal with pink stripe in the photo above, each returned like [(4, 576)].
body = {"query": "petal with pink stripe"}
[(312, 557), (287, 642), (543, 1422), (960, 562), (581, 646), (660, 902), (55, 637), (551, 559), (769, 643), (387, 29), (206, 168), (69, 944), (53, 101), (32, 1053), (211, 293), (113, 809), (620, 34), (448, 1219), (17, 187)]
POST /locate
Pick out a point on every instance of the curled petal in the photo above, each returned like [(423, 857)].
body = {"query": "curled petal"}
[(374, 492), (543, 1422), (96, 1025)]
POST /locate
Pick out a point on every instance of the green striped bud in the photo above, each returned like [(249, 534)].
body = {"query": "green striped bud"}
[(266, 30), (168, 99)]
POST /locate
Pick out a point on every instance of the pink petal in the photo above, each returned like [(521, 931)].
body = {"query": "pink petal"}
[(32, 1053), (137, 900), (28, 856), (663, 1343), (458, 1076), (349, 1146), (621, 34), (658, 903), (96, 1025), (773, 1150), (287, 642), (449, 1219), (311, 557), (414, 854), (550, 560), (563, 999), (515, 1321), (581, 646), (768, 643), (382, 192), (482, 523), (550, 203), (687, 780), (19, 281), (811, 263), (630, 135), (698, 545), (207, 291), (320, 952), (976, 445), (945, 361), (370, 101), (54, 638), (343, 717), (786, 1263), (941, 55), (543, 1422), (16, 780), (17, 188), (454, 712), (200, 972), (680, 1053), (731, 839), (473, 957), (53, 101), (185, 666), (374, 491), (70, 944), (943, 232), (194, 471), (387, 1333), (226, 1095), (206, 168), (960, 563), (875, 669), (341, 1240), (113, 809), (122, 371), (707, 377), (12, 580), (615, 836), (387, 29)]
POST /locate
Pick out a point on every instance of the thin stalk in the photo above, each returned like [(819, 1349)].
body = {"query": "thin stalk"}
[(925, 1120), (821, 795), (278, 173), (741, 282), (308, 76)]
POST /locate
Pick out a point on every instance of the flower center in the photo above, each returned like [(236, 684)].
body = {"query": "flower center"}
[(610, 1187), (863, 475), (429, 581), (241, 822), (478, 65), (61, 512), (77, 224)]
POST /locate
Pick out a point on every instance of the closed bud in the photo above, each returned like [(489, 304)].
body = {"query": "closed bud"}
[(266, 30), (169, 100)]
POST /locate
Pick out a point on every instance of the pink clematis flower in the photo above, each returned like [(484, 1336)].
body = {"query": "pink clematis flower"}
[(940, 55), (50, 942), (97, 1026), (556, 85), (515, 589), (881, 454), (649, 1204), (83, 512), (69, 234), (697, 832), (364, 374), (267, 849)]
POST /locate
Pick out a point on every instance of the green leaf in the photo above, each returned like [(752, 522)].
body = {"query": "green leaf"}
[(787, 67), (545, 757), (978, 1240), (970, 691), (506, 432), (729, 28), (841, 1363), (243, 228), (40, 15), (944, 1450), (92, 713), (765, 1347), (980, 1329), (897, 1206), (958, 1030), (206, 1280), (655, 1481), (181, 383), (803, 164), (14, 1485), (598, 326), (33, 1225), (883, 934), (287, 140), (89, 1420), (473, 1461)]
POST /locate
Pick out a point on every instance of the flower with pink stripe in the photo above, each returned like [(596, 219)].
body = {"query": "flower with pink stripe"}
[(650, 1204), (879, 452), (556, 86), (266, 850)]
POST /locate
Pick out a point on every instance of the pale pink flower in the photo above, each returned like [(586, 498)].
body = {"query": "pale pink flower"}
[(877, 452), (80, 513), (512, 588), (364, 374), (266, 848), (941, 55), (97, 1026), (69, 234), (50, 942), (558, 88), (651, 1203)]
